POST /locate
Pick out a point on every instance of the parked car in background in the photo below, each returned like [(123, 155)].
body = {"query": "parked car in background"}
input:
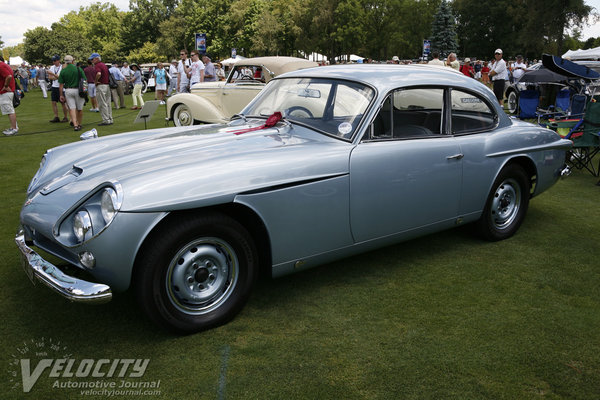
[(323, 164), (211, 102), (575, 85)]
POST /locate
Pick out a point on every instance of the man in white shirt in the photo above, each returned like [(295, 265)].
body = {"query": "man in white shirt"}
[(172, 77), (53, 73), (519, 68), (196, 71), (183, 82), (499, 75)]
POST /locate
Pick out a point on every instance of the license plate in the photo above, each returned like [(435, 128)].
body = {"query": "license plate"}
[(28, 269)]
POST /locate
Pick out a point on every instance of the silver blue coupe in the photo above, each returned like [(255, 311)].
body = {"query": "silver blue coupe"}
[(324, 163)]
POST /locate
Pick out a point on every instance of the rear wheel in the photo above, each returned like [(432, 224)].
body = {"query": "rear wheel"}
[(506, 205), (512, 102), (196, 272)]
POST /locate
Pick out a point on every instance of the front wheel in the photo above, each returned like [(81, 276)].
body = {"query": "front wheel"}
[(182, 116), (506, 205), (196, 272)]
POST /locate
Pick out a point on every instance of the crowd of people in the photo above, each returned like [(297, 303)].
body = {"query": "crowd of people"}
[(105, 84), (108, 84)]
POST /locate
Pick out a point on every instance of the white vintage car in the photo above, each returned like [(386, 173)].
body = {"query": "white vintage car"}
[(215, 102)]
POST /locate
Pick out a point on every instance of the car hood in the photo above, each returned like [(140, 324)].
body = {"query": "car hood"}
[(178, 168)]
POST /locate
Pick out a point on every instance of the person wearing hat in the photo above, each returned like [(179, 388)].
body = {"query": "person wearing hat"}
[(467, 68), (53, 73), (68, 81), (519, 68), (499, 75), (210, 73), (136, 79), (102, 89)]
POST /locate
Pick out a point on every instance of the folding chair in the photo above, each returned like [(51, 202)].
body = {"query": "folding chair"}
[(560, 108), (585, 136), (528, 102)]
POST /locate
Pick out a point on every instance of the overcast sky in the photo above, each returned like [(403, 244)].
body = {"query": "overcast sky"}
[(18, 18)]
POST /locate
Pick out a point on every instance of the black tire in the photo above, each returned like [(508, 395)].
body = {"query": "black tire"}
[(506, 204), (196, 272)]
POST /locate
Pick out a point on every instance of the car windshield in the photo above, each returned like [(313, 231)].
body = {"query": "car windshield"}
[(334, 107)]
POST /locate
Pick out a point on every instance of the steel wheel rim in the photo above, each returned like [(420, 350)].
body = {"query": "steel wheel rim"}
[(183, 116), (506, 204), (202, 276)]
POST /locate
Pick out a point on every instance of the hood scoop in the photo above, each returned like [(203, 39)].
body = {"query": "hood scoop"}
[(61, 181)]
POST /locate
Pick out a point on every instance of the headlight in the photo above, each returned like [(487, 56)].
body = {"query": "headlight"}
[(108, 204), (82, 224), (91, 216)]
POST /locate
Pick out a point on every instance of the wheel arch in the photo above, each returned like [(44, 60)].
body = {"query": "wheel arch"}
[(242, 214), (530, 170), (202, 110)]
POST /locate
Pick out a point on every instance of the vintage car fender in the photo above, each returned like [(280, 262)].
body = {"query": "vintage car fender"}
[(201, 109)]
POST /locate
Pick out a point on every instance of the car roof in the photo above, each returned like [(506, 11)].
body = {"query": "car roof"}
[(278, 64), (384, 76)]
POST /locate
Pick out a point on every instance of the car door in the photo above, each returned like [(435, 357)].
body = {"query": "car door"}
[(239, 90), (407, 172)]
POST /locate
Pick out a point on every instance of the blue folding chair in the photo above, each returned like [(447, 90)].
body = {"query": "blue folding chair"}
[(528, 103)]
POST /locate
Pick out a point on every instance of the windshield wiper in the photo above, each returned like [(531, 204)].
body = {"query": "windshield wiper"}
[(238, 116)]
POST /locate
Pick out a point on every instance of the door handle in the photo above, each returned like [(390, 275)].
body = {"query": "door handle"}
[(455, 157)]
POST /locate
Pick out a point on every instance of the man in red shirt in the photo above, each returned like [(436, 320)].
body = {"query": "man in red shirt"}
[(7, 91), (467, 69), (102, 89)]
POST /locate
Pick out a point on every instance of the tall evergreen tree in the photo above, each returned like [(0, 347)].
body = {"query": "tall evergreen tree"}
[(443, 30)]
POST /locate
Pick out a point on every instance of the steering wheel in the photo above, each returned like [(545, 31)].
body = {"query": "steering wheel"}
[(246, 78), (298, 111)]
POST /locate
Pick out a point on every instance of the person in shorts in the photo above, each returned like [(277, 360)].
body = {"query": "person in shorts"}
[(7, 91), (69, 81), (53, 73)]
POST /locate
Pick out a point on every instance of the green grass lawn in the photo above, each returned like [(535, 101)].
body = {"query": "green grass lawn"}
[(447, 316)]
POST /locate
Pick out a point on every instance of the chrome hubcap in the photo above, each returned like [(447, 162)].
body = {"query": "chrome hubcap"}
[(183, 117), (506, 204), (202, 275)]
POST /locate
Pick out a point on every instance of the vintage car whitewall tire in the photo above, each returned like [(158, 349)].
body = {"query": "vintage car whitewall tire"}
[(182, 116), (506, 205), (512, 102), (196, 272)]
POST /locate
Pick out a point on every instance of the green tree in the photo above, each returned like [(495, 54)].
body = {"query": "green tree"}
[(443, 30), (141, 22)]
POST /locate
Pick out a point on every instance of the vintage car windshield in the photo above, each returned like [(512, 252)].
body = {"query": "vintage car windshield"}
[(335, 107)]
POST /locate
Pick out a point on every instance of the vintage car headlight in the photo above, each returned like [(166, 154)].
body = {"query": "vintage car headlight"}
[(108, 204), (82, 224), (91, 216)]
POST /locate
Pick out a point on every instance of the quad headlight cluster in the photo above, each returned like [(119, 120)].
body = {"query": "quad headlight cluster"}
[(91, 217)]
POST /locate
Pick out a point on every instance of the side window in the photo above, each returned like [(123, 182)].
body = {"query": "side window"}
[(410, 113), (470, 113)]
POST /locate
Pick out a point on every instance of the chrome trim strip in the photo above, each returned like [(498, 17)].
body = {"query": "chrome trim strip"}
[(67, 286)]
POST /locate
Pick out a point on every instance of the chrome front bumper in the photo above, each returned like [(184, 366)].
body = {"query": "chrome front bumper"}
[(72, 288)]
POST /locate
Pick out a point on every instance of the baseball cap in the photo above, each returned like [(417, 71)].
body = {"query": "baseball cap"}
[(498, 51), (94, 55), (68, 58), (56, 57)]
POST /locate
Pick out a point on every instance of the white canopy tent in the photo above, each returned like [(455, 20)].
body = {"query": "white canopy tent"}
[(353, 58), (16, 61), (589, 54)]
